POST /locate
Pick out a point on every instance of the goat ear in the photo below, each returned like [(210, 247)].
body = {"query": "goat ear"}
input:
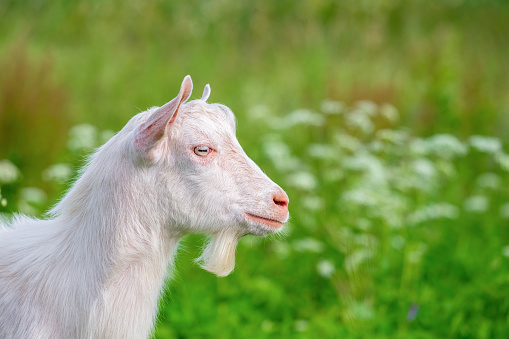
[(151, 131), (206, 93)]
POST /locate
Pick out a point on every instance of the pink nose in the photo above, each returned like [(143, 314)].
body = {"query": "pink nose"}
[(280, 199)]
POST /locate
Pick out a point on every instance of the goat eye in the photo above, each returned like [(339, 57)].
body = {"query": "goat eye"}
[(202, 150)]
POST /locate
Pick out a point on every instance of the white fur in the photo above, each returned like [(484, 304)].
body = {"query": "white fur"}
[(96, 267)]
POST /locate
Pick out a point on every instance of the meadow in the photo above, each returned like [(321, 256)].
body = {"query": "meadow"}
[(385, 121)]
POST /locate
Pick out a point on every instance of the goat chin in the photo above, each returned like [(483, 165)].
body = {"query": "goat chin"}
[(218, 257)]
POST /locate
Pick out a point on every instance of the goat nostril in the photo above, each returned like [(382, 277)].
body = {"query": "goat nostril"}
[(280, 203), (280, 200)]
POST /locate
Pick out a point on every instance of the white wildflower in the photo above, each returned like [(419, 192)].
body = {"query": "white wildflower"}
[(8, 172), (418, 147), (59, 173), (313, 203), (374, 170), (503, 161), (26, 208), (281, 249), (261, 112), (418, 176), (82, 136), (333, 174), (299, 117), (301, 325), (332, 107), (433, 212), (391, 219), (348, 142), (360, 311), (308, 245), (363, 224), (302, 180), (415, 255), (325, 268), (106, 135), (390, 207), (489, 180), (357, 258), (267, 325), (424, 169), (33, 195), (476, 204), (376, 146), (368, 107), (360, 121), (280, 155), (490, 145), (390, 113), (322, 151), (445, 146), (365, 240), (397, 242), (397, 137), (31, 200), (445, 167), (359, 196), (305, 117)]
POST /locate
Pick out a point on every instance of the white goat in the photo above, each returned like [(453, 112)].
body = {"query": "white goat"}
[(95, 269)]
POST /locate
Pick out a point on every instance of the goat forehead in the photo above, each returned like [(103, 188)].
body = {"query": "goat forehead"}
[(219, 113), (213, 120)]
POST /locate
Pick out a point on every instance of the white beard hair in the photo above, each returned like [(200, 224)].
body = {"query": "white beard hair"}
[(218, 257)]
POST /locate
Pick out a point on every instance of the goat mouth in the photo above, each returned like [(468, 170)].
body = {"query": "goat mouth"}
[(267, 221)]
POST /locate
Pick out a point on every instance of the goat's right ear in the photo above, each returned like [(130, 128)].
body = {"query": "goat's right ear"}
[(149, 133)]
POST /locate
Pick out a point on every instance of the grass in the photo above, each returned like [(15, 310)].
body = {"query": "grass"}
[(385, 122)]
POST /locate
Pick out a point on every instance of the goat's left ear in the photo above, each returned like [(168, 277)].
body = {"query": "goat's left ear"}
[(149, 133), (206, 93)]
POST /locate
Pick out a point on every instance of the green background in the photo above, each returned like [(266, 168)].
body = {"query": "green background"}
[(385, 121)]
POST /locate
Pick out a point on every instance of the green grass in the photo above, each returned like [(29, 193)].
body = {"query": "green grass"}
[(366, 112)]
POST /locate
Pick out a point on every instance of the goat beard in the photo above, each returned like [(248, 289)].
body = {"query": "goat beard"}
[(218, 257)]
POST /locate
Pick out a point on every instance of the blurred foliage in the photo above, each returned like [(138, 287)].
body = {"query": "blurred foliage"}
[(33, 123), (385, 121), (408, 227)]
